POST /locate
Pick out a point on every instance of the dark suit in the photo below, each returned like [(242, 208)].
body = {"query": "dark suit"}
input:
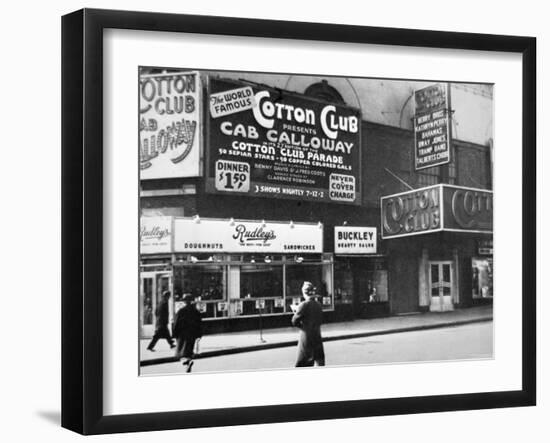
[(187, 328), (308, 317), (161, 325)]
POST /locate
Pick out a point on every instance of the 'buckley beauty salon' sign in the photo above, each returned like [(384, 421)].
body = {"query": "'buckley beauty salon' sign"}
[(437, 208), (354, 240)]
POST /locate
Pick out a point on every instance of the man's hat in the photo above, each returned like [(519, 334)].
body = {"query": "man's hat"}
[(308, 285), (188, 298)]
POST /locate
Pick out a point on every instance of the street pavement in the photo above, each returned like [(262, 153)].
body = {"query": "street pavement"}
[(248, 341), (466, 342)]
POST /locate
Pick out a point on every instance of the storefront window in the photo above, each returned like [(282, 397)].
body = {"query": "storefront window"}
[(147, 301), (320, 274), (482, 278), (377, 286), (261, 289), (343, 282), (207, 283), (243, 285), (360, 280)]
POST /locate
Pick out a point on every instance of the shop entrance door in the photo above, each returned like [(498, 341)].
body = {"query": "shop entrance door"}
[(441, 286), (152, 285)]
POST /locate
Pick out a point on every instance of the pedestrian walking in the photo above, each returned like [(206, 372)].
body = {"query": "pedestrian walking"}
[(308, 317), (187, 329), (161, 323)]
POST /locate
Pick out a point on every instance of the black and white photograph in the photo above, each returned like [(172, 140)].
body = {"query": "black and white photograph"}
[(290, 221), (269, 222)]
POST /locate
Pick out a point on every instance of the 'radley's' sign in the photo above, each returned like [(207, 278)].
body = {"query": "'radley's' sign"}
[(155, 235), (242, 235), (437, 208), (207, 235)]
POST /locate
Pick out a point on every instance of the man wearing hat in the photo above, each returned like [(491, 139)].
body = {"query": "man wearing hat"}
[(161, 323), (187, 329), (308, 316)]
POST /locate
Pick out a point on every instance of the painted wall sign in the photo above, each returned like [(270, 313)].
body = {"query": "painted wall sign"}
[(354, 240), (282, 144), (170, 125), (437, 208), (155, 235), (246, 236), (431, 127)]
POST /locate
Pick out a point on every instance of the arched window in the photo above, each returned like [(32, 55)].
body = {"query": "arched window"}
[(324, 91)]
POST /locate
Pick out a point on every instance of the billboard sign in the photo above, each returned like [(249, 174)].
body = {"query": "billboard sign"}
[(431, 127), (169, 125), (265, 142), (437, 208)]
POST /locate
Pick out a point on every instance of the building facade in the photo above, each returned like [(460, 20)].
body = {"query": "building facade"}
[(240, 227)]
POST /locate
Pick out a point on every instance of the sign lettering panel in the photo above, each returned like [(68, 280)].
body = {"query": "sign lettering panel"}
[(354, 240), (280, 144), (246, 236), (169, 125), (437, 208), (431, 127), (155, 234)]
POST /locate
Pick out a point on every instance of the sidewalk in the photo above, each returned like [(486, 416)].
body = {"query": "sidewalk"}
[(246, 341)]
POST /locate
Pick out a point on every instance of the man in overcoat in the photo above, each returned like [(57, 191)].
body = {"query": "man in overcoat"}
[(308, 316), (161, 323), (187, 329)]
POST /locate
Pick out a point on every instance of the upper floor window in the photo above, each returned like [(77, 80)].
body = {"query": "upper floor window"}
[(324, 91), (432, 176)]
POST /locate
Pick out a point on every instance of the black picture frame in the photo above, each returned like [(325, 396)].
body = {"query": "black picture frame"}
[(82, 218)]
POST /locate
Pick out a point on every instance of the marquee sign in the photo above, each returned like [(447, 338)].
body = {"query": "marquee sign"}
[(169, 125), (206, 235), (437, 208), (432, 135), (270, 143), (467, 209)]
